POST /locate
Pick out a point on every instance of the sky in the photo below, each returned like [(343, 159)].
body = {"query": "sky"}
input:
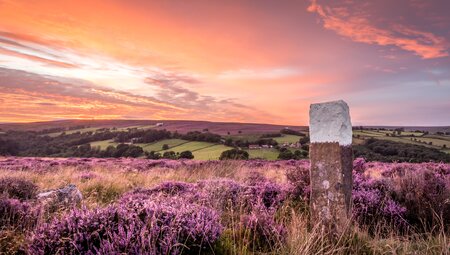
[(235, 61)]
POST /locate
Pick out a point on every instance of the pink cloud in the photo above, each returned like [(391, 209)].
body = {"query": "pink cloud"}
[(357, 26)]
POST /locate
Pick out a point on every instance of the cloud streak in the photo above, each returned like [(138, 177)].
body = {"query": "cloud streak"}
[(60, 98), (355, 24)]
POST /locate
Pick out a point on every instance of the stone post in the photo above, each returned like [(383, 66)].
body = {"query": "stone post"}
[(331, 156)]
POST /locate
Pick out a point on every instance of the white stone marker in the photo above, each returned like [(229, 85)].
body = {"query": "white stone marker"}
[(331, 158)]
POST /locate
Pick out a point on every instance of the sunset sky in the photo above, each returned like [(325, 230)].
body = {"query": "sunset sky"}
[(245, 61)]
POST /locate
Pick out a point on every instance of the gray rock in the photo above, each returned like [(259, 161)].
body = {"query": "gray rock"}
[(61, 198)]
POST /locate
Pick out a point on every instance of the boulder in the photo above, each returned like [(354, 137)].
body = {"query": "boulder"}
[(61, 198)]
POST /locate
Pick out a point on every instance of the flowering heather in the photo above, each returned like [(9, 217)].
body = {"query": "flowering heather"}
[(234, 207), (16, 214), (87, 176), (13, 187), (127, 164), (249, 207), (165, 226)]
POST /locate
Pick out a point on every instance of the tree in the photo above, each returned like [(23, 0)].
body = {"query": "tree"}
[(304, 140), (229, 142), (120, 150), (169, 155), (186, 155), (8, 147), (152, 155), (234, 154), (165, 147), (286, 154), (133, 151)]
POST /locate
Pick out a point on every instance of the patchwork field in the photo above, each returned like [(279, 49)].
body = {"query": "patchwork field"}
[(441, 142)]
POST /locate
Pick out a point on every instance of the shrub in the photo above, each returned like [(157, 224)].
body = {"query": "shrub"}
[(18, 215), (234, 154), (286, 154), (373, 205), (152, 155), (143, 226), (186, 155), (426, 196), (169, 155), (13, 187)]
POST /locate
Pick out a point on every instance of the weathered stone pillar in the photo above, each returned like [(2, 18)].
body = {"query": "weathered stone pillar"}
[(331, 158)]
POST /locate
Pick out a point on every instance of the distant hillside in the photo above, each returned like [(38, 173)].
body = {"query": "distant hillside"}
[(414, 128), (182, 126)]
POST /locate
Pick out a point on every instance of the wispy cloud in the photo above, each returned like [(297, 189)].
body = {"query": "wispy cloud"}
[(45, 61), (60, 98), (356, 24)]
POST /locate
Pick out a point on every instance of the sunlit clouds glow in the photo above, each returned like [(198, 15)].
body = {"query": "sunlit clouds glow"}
[(245, 61)]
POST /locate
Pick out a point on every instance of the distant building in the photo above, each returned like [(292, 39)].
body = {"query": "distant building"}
[(160, 124), (254, 146), (291, 145)]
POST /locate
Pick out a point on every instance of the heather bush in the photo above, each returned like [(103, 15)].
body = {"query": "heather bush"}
[(373, 205), (143, 226), (13, 187), (298, 177), (85, 176), (17, 215), (232, 207), (249, 210), (425, 194), (404, 195)]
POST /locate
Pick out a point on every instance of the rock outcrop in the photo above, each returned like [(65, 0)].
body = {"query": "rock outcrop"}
[(61, 198)]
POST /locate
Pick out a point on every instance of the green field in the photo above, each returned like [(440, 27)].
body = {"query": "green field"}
[(434, 141), (209, 153), (157, 146), (190, 146), (104, 144), (438, 141), (245, 137), (287, 139), (270, 154)]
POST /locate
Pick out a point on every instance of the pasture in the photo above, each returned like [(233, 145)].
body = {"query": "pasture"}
[(440, 142)]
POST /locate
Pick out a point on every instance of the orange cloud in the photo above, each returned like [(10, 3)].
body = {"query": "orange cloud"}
[(357, 27), (207, 60)]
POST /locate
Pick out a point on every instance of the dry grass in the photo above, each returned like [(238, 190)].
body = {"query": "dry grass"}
[(104, 186), (358, 241)]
